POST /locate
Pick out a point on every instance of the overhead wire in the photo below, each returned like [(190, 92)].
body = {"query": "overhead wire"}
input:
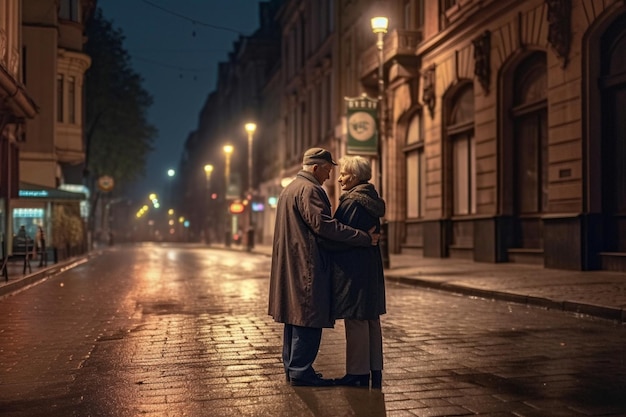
[(192, 20)]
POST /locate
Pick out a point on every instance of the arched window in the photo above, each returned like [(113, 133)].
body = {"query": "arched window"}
[(613, 84), (415, 169), (460, 132), (529, 151), (531, 136)]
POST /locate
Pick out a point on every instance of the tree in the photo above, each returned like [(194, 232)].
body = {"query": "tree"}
[(117, 133)]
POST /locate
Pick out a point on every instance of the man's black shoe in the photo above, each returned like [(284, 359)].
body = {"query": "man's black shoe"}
[(312, 382), (288, 378)]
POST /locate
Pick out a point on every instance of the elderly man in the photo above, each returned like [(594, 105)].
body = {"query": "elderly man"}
[(300, 282)]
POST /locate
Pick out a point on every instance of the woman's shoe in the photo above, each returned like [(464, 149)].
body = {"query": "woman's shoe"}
[(350, 380), (377, 379)]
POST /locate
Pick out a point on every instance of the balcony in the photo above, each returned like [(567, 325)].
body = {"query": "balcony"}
[(399, 46)]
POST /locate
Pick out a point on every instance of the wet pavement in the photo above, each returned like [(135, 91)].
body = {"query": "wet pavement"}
[(595, 293), (183, 331)]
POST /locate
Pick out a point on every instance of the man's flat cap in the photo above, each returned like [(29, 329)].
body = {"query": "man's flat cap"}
[(316, 156)]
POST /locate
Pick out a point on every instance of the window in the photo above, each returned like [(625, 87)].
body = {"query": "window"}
[(531, 137), (407, 14), (464, 174), (415, 169), (460, 131), (420, 14), (60, 101), (445, 12), (331, 16), (71, 99), (70, 10)]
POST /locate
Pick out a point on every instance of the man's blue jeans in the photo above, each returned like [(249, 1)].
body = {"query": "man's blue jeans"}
[(300, 346)]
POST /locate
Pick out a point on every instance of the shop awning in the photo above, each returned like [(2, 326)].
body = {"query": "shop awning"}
[(40, 192)]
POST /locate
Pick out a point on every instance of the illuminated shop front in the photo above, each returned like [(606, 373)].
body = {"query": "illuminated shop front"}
[(35, 207)]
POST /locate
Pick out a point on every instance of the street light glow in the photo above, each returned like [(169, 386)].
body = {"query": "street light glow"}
[(380, 24), (208, 168), (250, 127), (228, 149), (171, 172)]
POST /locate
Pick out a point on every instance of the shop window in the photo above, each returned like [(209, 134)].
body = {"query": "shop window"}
[(30, 218)]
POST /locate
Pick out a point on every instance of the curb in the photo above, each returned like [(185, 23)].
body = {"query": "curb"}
[(29, 280), (603, 312)]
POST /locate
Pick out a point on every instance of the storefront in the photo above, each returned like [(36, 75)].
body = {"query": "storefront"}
[(35, 207)]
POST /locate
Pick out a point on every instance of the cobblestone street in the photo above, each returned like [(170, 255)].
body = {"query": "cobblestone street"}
[(178, 331)]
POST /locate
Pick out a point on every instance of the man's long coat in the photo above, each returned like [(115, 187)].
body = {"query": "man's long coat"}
[(300, 282)]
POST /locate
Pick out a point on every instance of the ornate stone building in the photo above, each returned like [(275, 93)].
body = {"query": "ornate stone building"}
[(502, 135), (505, 142)]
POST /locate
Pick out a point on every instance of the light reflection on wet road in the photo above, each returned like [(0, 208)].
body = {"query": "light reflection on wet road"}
[(183, 331)]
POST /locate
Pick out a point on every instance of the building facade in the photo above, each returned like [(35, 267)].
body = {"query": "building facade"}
[(508, 150), (16, 107), (502, 140), (51, 149)]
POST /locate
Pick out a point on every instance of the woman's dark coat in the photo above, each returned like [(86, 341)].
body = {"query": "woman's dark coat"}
[(358, 279), (300, 283)]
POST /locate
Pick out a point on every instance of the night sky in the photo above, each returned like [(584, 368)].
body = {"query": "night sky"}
[(176, 46)]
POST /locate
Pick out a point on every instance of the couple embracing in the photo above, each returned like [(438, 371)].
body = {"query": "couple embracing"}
[(327, 267)]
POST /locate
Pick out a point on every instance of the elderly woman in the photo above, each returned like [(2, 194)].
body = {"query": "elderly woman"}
[(358, 280)]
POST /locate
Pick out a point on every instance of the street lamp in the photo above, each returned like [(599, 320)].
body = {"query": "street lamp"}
[(208, 169), (379, 27), (228, 150), (250, 128)]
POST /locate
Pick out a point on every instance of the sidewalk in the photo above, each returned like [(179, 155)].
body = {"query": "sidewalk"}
[(18, 280), (594, 293)]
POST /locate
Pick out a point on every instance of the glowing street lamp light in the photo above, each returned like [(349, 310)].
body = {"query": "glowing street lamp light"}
[(171, 172)]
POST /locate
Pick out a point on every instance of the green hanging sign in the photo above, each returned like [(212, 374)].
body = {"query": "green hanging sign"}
[(362, 117)]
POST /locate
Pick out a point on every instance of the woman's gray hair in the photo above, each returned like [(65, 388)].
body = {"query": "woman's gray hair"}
[(357, 166)]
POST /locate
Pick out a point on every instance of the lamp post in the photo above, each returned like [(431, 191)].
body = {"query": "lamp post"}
[(379, 27), (208, 169), (250, 128), (228, 150)]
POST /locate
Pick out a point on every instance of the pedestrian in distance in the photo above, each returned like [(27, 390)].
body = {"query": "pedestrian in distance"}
[(41, 246), (358, 278), (300, 280)]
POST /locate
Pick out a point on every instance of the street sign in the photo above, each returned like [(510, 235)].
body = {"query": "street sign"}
[(362, 119)]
